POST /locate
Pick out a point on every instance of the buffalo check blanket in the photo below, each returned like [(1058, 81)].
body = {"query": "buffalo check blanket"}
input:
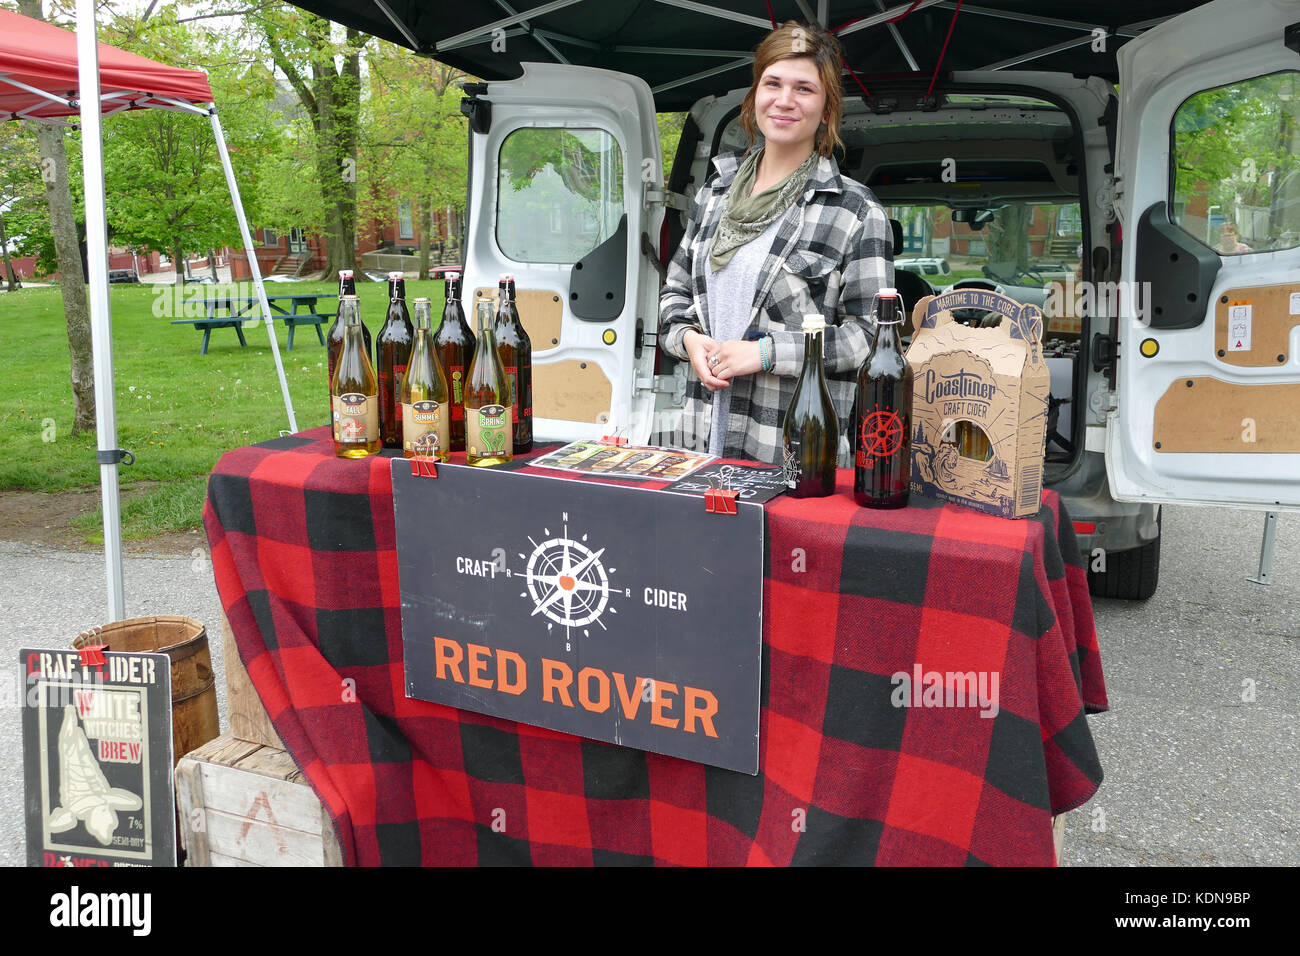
[(926, 675)]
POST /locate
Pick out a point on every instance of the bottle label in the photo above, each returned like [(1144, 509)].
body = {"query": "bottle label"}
[(487, 431), (790, 470), (458, 393), (425, 429), (881, 433), (390, 387), (356, 418), (527, 400), (512, 373)]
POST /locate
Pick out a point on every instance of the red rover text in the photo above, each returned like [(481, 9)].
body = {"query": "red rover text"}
[(591, 688)]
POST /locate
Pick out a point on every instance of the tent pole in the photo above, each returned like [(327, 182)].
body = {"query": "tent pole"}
[(253, 267), (101, 322)]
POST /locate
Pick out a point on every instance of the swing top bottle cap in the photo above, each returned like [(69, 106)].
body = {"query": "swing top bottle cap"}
[(894, 315), (814, 323)]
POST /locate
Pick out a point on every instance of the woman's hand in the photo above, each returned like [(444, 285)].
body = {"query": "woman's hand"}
[(700, 347), (735, 358)]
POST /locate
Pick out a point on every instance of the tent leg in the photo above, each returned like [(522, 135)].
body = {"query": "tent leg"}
[(101, 322), (252, 260)]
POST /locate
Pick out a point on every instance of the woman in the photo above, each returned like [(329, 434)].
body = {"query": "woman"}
[(775, 233)]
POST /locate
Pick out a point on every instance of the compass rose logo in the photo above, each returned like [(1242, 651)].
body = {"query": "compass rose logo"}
[(881, 433), (568, 583)]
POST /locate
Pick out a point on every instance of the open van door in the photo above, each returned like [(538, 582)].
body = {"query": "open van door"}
[(564, 164), (1208, 383)]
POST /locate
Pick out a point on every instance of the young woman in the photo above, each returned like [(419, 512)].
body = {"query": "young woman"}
[(775, 233)]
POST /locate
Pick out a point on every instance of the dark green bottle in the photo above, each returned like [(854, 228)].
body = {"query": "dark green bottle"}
[(811, 432)]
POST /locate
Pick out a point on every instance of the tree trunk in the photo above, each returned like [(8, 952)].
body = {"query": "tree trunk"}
[(178, 262), (72, 280), (212, 264), (72, 277), (12, 279)]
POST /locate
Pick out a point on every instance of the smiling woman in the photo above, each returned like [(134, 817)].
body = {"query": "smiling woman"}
[(776, 233)]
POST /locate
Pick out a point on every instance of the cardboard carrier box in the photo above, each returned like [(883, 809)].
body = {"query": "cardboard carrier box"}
[(979, 406)]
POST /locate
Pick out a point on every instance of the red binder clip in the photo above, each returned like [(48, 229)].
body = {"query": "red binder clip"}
[(424, 467), (720, 501), (615, 440), (92, 655)]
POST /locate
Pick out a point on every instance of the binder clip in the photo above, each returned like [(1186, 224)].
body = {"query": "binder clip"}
[(92, 655), (422, 467), (721, 500)]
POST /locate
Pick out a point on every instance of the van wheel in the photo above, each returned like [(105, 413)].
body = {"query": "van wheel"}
[(1130, 575)]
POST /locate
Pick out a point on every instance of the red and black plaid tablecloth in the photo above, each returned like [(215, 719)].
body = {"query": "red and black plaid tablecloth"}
[(304, 553)]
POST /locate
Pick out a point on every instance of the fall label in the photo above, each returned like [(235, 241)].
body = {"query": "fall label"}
[(356, 418)]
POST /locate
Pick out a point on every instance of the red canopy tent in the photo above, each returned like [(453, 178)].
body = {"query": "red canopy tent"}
[(47, 73)]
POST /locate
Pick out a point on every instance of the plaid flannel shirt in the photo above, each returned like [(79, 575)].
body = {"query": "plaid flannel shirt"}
[(832, 256)]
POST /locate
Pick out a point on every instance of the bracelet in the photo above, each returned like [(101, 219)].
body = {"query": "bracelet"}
[(766, 357)]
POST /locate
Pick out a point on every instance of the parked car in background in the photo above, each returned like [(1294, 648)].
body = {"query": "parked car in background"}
[(123, 276)]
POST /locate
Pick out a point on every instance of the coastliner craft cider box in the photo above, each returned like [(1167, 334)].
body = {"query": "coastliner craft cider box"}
[(995, 379)]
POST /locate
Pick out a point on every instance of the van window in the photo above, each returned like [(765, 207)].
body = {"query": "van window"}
[(559, 193), (1236, 177)]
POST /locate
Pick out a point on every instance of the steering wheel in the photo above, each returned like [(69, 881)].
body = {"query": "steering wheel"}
[(974, 316)]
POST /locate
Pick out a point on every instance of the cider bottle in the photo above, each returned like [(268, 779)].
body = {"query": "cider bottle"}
[(487, 399), (516, 351), (392, 352), (354, 390), (454, 343), (882, 414), (811, 431), (425, 410), (334, 338)]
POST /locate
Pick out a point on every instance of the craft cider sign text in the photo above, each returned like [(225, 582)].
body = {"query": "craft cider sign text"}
[(97, 756), (615, 613)]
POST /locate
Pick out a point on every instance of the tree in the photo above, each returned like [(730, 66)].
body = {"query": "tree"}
[(415, 142), (72, 279), (20, 188), (326, 77)]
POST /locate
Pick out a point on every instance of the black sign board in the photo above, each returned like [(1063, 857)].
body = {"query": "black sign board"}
[(758, 485), (97, 756), (616, 613)]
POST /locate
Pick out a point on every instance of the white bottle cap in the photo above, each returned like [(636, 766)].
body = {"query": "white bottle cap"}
[(813, 322), (889, 294)]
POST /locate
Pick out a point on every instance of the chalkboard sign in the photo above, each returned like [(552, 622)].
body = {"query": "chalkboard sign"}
[(97, 755), (754, 484), (616, 613)]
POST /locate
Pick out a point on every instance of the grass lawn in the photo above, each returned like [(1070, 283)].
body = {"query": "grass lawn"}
[(177, 411)]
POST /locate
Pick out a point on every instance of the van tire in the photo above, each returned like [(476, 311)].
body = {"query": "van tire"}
[(1130, 575)]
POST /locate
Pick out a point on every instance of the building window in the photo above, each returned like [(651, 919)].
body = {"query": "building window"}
[(270, 238), (405, 229)]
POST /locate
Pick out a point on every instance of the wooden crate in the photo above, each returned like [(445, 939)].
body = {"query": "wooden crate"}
[(247, 717), (246, 804)]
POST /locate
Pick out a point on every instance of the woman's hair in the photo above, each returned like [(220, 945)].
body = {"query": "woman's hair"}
[(793, 39)]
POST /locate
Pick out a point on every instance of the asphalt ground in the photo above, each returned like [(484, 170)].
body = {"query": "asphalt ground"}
[(1199, 747)]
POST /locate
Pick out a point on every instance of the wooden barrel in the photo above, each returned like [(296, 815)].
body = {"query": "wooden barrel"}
[(194, 692)]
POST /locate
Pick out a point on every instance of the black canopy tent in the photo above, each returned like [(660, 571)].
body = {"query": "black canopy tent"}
[(685, 48)]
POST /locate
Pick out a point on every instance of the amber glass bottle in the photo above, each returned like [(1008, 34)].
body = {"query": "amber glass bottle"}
[(454, 343), (392, 352)]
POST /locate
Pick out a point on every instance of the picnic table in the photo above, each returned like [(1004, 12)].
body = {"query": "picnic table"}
[(294, 309)]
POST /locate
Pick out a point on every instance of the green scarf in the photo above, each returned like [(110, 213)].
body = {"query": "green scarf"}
[(746, 216)]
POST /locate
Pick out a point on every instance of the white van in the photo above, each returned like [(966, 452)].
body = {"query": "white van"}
[(1174, 346)]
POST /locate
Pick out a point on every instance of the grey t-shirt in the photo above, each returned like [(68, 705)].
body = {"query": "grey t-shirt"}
[(731, 300)]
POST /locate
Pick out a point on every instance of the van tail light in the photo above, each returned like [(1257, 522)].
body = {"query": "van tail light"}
[(1085, 527)]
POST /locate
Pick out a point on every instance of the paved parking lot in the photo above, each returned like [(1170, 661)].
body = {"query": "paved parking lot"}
[(1195, 774)]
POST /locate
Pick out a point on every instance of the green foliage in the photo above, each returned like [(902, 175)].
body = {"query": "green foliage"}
[(670, 132), (414, 142), (177, 411)]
